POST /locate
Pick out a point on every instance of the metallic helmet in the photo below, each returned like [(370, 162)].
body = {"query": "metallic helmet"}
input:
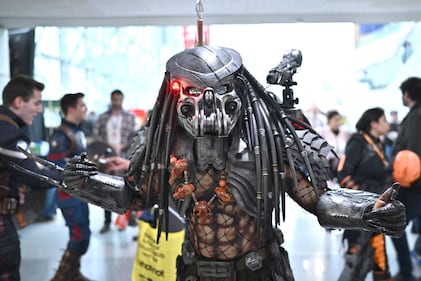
[(205, 79)]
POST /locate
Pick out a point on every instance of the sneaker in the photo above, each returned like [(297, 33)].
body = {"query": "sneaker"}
[(105, 228), (416, 256)]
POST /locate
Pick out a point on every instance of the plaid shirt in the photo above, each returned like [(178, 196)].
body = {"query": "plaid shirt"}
[(127, 130)]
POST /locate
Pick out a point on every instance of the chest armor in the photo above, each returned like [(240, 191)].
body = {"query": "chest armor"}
[(216, 193)]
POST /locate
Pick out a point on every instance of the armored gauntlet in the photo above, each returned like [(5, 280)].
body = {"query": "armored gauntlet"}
[(82, 180), (353, 209)]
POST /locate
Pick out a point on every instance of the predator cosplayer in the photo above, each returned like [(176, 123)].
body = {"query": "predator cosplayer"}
[(225, 152)]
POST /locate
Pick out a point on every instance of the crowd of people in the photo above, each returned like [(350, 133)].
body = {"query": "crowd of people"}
[(361, 160), (21, 103), (372, 157)]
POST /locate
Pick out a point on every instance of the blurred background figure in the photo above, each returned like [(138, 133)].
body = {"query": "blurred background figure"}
[(49, 211), (408, 50), (88, 126), (115, 127), (337, 138), (406, 154), (315, 117), (364, 166), (391, 136), (67, 141)]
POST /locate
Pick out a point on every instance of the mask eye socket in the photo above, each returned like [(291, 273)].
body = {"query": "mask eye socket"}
[(187, 110), (231, 107), (191, 91), (223, 89)]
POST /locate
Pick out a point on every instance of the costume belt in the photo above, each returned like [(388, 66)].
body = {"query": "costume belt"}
[(8, 206), (222, 269)]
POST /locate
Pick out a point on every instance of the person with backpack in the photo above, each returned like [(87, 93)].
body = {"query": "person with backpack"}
[(69, 140), (364, 166)]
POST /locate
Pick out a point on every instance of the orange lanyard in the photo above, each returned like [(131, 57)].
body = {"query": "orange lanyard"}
[(376, 148)]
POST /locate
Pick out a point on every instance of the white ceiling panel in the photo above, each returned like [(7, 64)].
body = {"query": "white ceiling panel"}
[(30, 13)]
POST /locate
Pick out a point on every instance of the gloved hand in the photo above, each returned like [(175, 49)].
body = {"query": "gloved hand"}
[(388, 215)]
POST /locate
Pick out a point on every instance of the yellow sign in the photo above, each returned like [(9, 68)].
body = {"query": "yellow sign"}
[(156, 262)]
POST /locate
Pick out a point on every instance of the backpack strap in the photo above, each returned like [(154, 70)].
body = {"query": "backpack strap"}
[(8, 119), (4, 117), (69, 133)]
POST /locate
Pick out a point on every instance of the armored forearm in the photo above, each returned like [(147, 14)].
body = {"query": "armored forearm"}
[(106, 191), (344, 208), (353, 209)]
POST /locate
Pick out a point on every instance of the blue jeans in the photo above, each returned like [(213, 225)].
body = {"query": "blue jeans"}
[(412, 201)]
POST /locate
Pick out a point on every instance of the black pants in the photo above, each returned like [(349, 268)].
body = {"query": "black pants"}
[(366, 252), (107, 215)]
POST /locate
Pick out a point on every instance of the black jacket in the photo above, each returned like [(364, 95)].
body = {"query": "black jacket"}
[(409, 137), (10, 136), (362, 168)]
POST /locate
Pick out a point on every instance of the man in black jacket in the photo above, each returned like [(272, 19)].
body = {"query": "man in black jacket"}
[(409, 138), (21, 103)]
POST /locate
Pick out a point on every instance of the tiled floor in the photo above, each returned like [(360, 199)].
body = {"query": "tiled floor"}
[(315, 254)]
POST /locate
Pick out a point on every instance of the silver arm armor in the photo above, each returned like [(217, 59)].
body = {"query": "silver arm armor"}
[(353, 209), (342, 209), (83, 181)]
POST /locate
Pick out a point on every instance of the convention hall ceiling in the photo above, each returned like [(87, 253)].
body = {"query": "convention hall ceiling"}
[(30, 13)]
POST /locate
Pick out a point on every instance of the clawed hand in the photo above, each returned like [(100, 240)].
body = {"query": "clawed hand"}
[(388, 215), (78, 167)]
